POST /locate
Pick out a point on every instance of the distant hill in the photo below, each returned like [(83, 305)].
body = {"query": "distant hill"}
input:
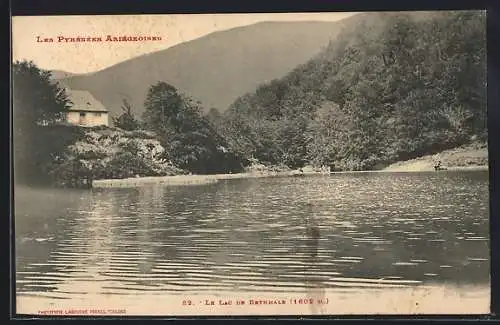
[(214, 69)]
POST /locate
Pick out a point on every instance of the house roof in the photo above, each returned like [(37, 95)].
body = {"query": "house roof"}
[(84, 101)]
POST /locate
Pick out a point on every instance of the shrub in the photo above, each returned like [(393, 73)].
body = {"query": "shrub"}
[(111, 154)]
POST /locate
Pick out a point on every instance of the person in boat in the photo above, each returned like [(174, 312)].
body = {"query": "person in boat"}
[(299, 172)]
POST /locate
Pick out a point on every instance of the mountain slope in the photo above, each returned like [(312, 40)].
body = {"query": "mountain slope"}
[(391, 87), (214, 69), (59, 74)]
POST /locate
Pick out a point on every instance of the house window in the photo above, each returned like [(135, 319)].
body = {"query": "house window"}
[(97, 114), (82, 114)]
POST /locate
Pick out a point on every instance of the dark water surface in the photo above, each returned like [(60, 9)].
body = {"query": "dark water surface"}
[(274, 234)]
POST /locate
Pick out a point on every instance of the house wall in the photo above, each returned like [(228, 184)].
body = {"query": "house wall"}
[(90, 118)]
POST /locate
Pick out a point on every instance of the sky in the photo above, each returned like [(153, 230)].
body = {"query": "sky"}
[(86, 57)]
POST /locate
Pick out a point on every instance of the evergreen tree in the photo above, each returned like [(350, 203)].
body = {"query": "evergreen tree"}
[(126, 120)]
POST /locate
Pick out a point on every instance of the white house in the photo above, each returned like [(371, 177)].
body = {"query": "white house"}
[(85, 110)]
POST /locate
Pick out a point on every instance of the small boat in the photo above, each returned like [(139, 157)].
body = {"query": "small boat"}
[(298, 173)]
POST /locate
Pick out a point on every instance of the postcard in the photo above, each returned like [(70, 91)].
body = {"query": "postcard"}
[(251, 164)]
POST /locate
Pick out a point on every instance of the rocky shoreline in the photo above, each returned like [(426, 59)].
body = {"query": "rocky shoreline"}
[(472, 157), (186, 180), (190, 179)]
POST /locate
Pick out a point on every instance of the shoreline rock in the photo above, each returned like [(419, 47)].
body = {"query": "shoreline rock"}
[(470, 157), (473, 157), (189, 180)]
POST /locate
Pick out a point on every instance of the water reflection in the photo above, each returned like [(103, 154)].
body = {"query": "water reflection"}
[(304, 235), (315, 286)]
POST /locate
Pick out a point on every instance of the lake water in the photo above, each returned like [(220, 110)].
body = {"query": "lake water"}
[(340, 234)]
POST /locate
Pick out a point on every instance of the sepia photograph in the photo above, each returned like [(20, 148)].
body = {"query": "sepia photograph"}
[(297, 164)]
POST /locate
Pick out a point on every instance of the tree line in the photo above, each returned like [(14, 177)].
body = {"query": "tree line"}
[(394, 87)]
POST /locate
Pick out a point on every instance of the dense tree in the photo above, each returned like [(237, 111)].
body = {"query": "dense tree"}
[(214, 116), (190, 140), (37, 104)]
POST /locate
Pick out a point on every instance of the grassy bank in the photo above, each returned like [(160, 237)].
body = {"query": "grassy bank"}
[(469, 157)]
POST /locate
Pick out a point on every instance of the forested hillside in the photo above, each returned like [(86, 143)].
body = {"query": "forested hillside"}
[(392, 86)]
